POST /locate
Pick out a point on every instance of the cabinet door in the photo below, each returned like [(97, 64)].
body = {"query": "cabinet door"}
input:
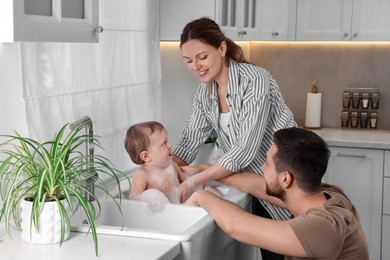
[(359, 172), (386, 238), (49, 20), (256, 19), (371, 20), (321, 20), (175, 14), (274, 20)]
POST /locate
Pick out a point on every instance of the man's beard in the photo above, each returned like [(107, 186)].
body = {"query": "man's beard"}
[(275, 190)]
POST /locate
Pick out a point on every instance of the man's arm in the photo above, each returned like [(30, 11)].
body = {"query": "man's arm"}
[(273, 235), (251, 183)]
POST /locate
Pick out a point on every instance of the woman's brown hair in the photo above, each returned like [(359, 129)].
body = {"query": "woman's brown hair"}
[(208, 31)]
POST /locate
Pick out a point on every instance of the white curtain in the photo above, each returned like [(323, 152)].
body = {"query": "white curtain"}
[(116, 82)]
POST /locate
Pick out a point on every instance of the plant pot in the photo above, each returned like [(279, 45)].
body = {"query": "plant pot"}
[(49, 224)]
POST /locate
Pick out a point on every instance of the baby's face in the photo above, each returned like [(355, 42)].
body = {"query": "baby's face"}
[(160, 149)]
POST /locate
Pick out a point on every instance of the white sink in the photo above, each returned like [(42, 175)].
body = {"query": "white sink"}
[(175, 222), (200, 236)]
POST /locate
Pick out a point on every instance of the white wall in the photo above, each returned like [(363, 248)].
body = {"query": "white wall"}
[(12, 109), (178, 89)]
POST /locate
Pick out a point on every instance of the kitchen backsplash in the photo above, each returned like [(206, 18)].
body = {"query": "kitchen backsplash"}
[(335, 66)]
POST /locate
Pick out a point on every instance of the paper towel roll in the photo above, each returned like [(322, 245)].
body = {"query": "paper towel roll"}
[(313, 110)]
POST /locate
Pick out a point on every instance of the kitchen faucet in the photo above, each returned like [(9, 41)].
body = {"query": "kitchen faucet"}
[(90, 179)]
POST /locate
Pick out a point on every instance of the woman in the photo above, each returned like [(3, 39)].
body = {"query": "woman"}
[(240, 101)]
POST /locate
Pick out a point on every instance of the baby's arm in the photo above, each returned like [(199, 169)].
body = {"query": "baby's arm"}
[(187, 171), (139, 183)]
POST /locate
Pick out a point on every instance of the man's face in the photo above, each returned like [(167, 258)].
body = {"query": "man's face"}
[(271, 176)]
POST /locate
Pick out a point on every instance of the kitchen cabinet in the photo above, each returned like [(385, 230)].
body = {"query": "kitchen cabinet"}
[(247, 20), (257, 19), (343, 20), (49, 21), (175, 14), (386, 209), (359, 172)]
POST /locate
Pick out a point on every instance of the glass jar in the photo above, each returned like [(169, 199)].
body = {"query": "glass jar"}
[(375, 100), (344, 118), (346, 99), (373, 120), (355, 99)]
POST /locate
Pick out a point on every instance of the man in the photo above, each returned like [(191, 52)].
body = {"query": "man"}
[(324, 223)]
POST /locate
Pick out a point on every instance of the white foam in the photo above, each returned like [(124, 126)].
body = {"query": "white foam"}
[(156, 200)]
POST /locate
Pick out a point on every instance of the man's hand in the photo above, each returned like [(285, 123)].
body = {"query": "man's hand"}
[(186, 189), (193, 199)]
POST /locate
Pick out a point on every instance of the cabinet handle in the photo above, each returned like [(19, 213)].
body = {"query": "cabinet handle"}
[(241, 34), (98, 29), (352, 155), (275, 34), (354, 35), (346, 35)]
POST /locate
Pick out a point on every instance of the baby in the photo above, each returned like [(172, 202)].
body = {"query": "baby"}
[(147, 145)]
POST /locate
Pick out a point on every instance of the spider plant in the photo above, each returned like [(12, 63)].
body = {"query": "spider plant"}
[(213, 138), (52, 171)]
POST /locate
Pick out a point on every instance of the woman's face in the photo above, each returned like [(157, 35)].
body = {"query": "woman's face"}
[(204, 60)]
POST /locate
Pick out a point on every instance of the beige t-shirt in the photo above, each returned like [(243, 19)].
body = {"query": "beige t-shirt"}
[(331, 230)]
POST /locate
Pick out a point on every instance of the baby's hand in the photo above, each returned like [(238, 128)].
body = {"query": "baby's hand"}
[(191, 170)]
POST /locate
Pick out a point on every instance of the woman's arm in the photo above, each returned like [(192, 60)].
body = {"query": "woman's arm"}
[(196, 130)]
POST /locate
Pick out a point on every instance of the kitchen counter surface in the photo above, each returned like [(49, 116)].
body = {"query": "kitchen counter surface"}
[(356, 138), (79, 246)]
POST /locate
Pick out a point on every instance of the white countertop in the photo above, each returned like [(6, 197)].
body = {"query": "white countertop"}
[(79, 246), (356, 138)]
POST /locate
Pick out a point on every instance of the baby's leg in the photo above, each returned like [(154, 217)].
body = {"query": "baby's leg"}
[(212, 190)]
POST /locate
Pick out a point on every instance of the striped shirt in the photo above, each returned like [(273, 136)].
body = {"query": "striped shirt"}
[(257, 110)]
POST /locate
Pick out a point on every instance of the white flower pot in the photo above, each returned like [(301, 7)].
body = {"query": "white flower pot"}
[(49, 224)]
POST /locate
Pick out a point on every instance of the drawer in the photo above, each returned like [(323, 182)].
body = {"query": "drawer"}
[(386, 196), (386, 237)]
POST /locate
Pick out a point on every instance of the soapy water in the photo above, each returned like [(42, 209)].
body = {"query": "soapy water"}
[(155, 199)]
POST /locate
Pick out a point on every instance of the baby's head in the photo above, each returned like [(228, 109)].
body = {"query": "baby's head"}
[(137, 139)]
